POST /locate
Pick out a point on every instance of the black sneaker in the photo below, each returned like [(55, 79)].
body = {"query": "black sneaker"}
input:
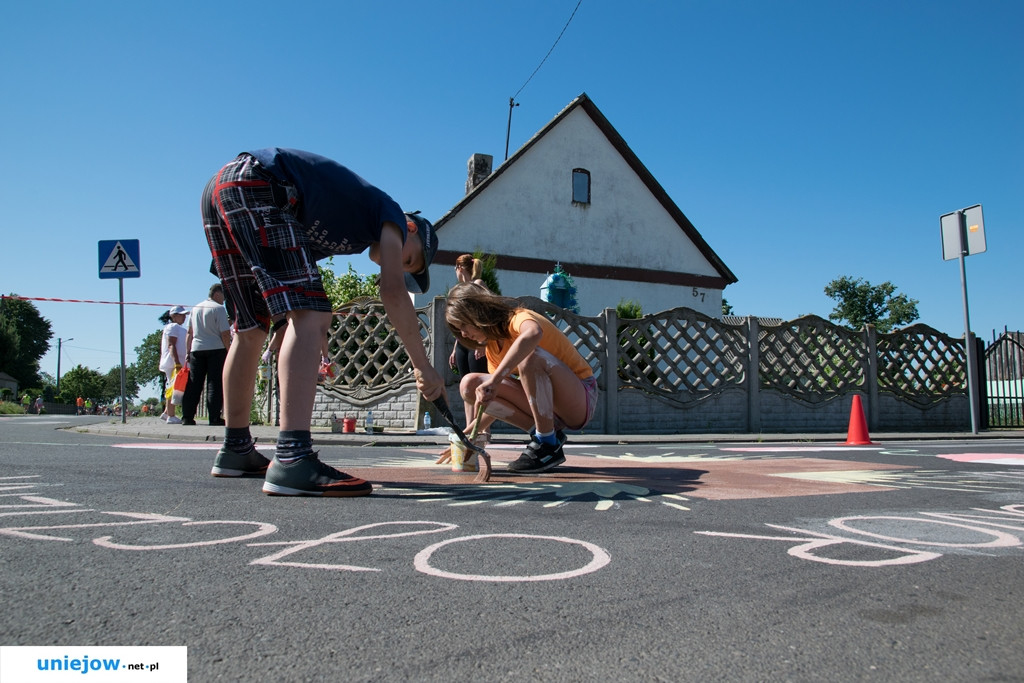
[(188, 422), (231, 464), (538, 457), (309, 477)]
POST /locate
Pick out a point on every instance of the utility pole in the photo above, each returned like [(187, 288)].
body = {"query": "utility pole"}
[(59, 342), (508, 130)]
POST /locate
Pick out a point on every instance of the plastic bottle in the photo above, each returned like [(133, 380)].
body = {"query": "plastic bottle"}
[(369, 422), (426, 420)]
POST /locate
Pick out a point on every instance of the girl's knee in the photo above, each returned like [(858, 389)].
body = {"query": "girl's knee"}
[(468, 385)]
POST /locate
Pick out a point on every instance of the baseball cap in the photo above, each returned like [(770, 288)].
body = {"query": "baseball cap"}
[(417, 283), (176, 310)]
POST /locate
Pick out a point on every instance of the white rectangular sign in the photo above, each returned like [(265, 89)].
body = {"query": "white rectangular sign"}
[(973, 241)]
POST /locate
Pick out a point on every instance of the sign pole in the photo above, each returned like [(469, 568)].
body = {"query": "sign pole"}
[(963, 234), (124, 406), (120, 259), (968, 339)]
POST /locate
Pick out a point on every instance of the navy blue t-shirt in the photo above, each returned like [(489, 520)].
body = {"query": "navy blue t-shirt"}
[(342, 213)]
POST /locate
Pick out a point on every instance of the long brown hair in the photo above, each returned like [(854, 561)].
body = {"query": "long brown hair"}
[(473, 266), (471, 304)]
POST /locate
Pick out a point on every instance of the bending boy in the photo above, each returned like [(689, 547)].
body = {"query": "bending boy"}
[(269, 216)]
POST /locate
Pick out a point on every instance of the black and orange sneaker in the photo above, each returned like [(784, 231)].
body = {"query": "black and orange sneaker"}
[(309, 477)]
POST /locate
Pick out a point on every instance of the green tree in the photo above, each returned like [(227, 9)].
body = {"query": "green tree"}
[(632, 340), (112, 385), (726, 307), (84, 382), (146, 367), (10, 345), (860, 303), (21, 322), (629, 309), (489, 273), (344, 288)]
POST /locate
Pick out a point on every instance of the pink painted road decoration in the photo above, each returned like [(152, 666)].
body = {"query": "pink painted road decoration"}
[(987, 458)]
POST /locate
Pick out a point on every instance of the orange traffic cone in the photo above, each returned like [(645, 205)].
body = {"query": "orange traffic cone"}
[(857, 434)]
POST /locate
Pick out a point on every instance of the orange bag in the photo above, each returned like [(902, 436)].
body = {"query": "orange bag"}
[(179, 384)]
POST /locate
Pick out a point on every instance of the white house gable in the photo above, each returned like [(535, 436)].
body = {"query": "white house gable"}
[(624, 243)]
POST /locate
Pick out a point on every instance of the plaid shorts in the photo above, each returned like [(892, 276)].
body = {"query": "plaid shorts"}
[(260, 250)]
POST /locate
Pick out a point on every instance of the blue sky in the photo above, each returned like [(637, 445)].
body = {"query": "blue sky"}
[(804, 140)]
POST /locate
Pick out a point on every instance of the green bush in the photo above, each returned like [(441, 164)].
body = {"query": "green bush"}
[(8, 408)]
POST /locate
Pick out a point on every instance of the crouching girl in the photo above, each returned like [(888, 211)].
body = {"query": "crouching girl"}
[(536, 379)]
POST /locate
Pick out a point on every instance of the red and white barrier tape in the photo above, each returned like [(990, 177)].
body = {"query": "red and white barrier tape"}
[(86, 301)]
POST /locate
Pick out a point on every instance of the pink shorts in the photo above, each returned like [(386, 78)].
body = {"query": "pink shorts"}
[(590, 387)]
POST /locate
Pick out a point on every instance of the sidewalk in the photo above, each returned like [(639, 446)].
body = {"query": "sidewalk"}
[(154, 428)]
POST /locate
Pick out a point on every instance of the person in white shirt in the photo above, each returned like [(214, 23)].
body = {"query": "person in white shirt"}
[(207, 342), (172, 356)]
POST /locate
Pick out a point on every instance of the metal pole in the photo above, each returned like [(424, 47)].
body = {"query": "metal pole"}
[(968, 341), (508, 130), (59, 341), (124, 408)]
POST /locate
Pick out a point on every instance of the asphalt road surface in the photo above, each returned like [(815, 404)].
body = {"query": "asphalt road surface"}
[(667, 561)]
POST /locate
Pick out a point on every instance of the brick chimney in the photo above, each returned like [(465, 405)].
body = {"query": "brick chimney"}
[(479, 168)]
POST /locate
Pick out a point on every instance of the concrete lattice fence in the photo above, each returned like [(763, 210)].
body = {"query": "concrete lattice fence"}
[(679, 371)]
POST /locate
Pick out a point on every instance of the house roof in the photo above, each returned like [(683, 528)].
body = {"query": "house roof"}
[(657, 191)]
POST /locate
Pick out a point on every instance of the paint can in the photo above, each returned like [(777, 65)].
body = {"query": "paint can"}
[(348, 425), (459, 461)]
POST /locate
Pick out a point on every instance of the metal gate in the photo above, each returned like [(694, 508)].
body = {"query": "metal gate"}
[(1003, 381)]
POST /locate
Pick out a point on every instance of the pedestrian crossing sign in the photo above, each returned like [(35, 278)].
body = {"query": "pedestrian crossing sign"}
[(119, 259)]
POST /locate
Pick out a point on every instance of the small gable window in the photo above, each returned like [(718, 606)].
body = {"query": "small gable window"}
[(580, 186)]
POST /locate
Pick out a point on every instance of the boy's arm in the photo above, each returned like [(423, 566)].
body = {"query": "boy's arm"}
[(402, 313)]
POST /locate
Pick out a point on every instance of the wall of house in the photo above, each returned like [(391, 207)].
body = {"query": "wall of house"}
[(527, 211)]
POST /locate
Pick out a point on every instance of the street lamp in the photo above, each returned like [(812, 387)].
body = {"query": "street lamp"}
[(59, 342)]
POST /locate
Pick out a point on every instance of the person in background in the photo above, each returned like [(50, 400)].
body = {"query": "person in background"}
[(468, 269), (465, 361), (207, 342), (172, 356)]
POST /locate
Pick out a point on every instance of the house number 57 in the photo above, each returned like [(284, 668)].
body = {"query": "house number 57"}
[(698, 293)]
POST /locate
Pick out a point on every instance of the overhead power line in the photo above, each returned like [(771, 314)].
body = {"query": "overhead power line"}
[(549, 51), (512, 100)]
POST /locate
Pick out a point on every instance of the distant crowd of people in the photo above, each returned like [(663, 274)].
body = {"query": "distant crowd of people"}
[(83, 406)]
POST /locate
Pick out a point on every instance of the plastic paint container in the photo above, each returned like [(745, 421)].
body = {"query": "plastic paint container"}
[(459, 461)]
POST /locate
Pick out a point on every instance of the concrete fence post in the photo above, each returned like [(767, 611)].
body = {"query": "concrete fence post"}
[(611, 371), (871, 374), (438, 359), (753, 382)]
